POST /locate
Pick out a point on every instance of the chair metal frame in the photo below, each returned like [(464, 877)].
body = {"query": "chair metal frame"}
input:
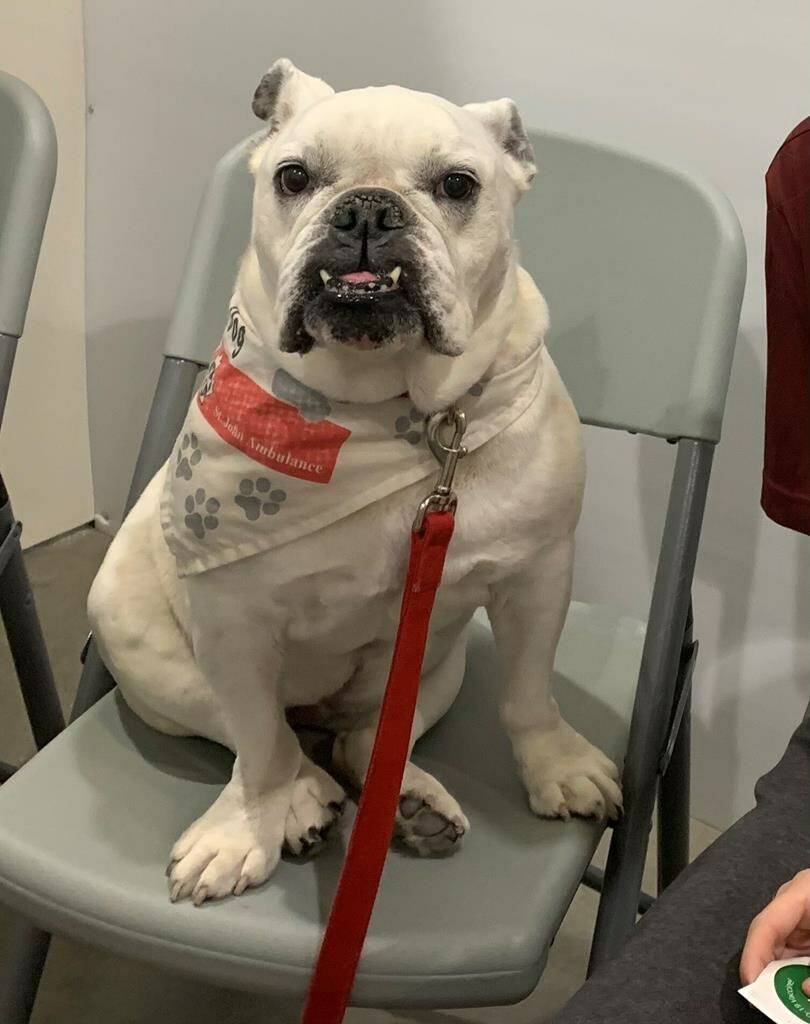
[(657, 762), (24, 207), (24, 203)]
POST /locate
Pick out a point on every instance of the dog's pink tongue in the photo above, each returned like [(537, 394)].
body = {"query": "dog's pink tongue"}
[(358, 277)]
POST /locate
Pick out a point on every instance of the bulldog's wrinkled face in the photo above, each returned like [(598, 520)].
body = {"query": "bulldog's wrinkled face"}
[(382, 217)]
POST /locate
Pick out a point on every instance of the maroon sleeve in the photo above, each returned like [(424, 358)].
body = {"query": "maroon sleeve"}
[(786, 474)]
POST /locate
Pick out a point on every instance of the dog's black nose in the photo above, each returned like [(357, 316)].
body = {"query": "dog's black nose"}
[(368, 213)]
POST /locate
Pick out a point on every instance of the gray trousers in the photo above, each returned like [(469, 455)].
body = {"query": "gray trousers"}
[(680, 964)]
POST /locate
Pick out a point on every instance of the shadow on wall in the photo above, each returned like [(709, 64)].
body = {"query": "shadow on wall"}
[(123, 363)]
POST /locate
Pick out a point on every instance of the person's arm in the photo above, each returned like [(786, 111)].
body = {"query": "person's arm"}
[(781, 930)]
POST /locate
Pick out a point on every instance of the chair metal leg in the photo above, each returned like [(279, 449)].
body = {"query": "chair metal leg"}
[(674, 785), (21, 965), (8, 349), (26, 946), (94, 682), (594, 878), (655, 697), (25, 639), (673, 807)]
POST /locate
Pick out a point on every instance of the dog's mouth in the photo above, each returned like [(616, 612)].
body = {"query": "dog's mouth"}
[(366, 307), (360, 285), (363, 304)]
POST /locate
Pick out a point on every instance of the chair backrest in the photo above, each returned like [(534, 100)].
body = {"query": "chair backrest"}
[(27, 174), (643, 269), (221, 233)]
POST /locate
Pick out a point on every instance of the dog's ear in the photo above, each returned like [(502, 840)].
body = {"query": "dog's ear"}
[(502, 120), (285, 91)]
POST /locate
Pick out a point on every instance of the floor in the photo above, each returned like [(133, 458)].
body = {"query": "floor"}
[(86, 986)]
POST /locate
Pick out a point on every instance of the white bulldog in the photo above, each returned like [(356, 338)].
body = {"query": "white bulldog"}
[(381, 269)]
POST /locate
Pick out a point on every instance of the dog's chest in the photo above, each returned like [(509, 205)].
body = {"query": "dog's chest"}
[(340, 623), (341, 588)]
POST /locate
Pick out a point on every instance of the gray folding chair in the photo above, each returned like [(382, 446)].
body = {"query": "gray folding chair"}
[(27, 174), (644, 270)]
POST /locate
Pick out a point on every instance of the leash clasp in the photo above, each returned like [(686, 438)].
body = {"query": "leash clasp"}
[(443, 498)]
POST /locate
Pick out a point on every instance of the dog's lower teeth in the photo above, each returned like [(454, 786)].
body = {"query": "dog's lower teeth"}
[(326, 277)]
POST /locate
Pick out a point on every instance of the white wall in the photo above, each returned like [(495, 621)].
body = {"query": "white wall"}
[(44, 444), (712, 86)]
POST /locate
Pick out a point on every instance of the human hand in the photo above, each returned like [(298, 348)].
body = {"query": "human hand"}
[(779, 931)]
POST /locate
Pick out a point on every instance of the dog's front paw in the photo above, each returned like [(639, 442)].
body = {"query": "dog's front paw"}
[(429, 819), (230, 848), (316, 805), (566, 775)]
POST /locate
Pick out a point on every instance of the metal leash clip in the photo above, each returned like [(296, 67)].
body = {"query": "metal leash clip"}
[(443, 498)]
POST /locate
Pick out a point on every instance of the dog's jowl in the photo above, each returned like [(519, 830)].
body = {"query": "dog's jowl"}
[(258, 579)]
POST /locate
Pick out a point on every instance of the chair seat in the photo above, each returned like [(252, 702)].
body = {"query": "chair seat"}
[(86, 827)]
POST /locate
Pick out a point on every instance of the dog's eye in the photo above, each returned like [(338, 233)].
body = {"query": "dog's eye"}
[(292, 179), (456, 185)]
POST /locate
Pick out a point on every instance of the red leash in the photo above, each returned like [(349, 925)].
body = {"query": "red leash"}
[(332, 981)]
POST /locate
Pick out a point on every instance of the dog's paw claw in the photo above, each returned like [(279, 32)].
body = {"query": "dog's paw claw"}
[(229, 841), (567, 776), (199, 896)]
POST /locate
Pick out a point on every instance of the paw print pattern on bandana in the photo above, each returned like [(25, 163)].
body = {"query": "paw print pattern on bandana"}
[(312, 405), (188, 455), (410, 428), (201, 513), (257, 498), (477, 389)]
